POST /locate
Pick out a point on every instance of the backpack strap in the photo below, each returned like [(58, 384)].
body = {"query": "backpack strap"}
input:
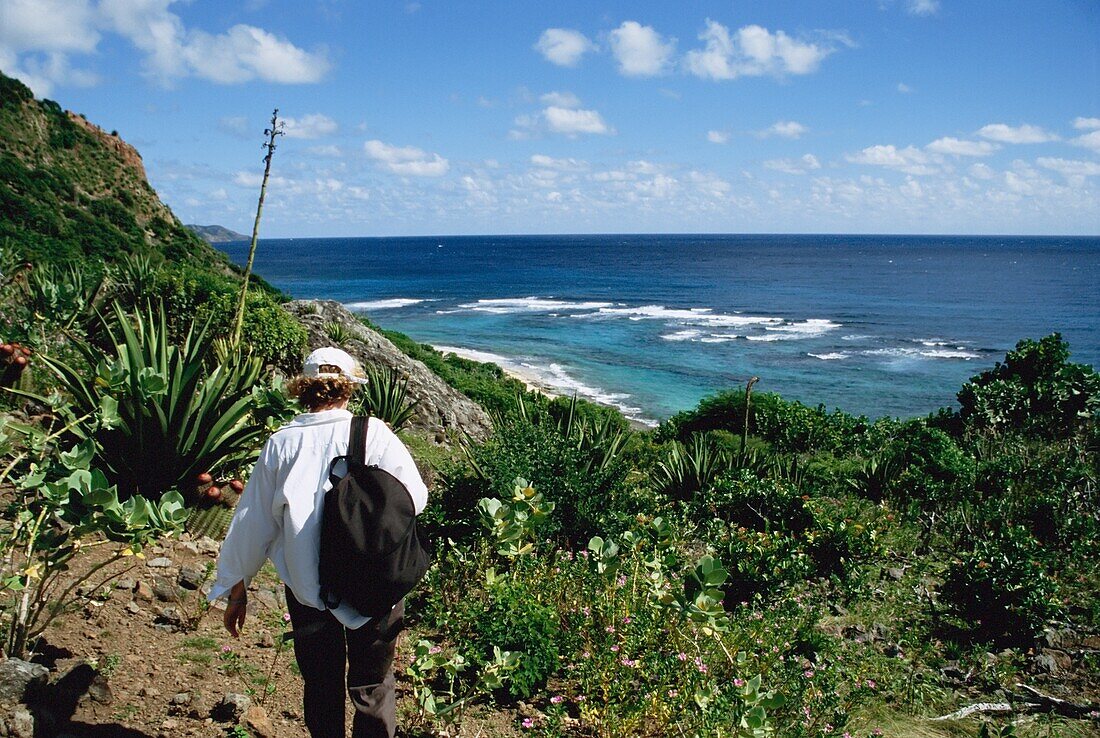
[(357, 448), (357, 442)]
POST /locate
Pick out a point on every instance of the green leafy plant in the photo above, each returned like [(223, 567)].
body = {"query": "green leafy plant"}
[(62, 505), (441, 693), (513, 523), (338, 333), (164, 412), (516, 620), (688, 470), (385, 396)]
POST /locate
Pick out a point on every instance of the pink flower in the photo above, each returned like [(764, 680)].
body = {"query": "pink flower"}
[(738, 682), (286, 617), (227, 649), (580, 698), (682, 656), (626, 620), (610, 629), (528, 723), (871, 684), (615, 649), (435, 649), (556, 699)]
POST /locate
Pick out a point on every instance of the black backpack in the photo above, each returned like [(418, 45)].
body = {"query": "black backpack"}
[(371, 552)]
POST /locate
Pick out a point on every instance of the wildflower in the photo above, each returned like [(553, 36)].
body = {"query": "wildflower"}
[(286, 617), (738, 682), (809, 673), (682, 656), (556, 699), (876, 731), (435, 649), (627, 620), (673, 693), (528, 723), (621, 580), (227, 649), (580, 698), (587, 611), (871, 684), (615, 649), (610, 629), (586, 655)]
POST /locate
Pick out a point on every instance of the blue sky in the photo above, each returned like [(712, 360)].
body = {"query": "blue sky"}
[(862, 116)]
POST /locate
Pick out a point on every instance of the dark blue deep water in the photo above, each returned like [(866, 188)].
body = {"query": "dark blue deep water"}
[(879, 325)]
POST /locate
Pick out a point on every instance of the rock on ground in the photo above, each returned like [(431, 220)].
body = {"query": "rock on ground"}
[(439, 408)]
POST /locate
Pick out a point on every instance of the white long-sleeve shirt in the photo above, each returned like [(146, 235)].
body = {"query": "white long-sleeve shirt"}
[(279, 514)]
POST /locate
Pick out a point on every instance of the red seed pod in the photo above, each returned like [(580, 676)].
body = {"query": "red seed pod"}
[(237, 486), (7, 349), (27, 350), (20, 360), (214, 494), (205, 478)]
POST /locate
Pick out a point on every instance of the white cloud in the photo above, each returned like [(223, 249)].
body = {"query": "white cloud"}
[(1086, 124), (754, 51), (785, 129), (406, 160), (236, 125), (314, 125), (572, 121), (561, 99), (1022, 134), (922, 7), (802, 165), (640, 50), (563, 46), (1070, 167), (718, 137), (981, 171), (904, 88), (1090, 140), (241, 54), (958, 147), (561, 165), (328, 150), (910, 160), (47, 25)]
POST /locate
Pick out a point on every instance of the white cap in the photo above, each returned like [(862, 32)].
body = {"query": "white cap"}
[(331, 356)]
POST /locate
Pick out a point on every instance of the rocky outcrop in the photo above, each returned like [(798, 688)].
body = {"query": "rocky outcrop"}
[(442, 412)]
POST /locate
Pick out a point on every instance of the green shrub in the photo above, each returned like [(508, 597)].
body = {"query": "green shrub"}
[(586, 483), (936, 472), (516, 620), (385, 396), (999, 590), (163, 411), (742, 499), (1034, 390)]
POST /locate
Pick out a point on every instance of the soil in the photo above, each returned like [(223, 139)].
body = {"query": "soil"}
[(145, 658)]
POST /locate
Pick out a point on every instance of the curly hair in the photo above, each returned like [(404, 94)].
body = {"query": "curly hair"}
[(315, 393)]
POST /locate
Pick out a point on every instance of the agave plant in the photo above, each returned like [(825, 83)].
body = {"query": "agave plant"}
[(689, 469), (386, 397), (338, 333), (166, 411), (64, 295)]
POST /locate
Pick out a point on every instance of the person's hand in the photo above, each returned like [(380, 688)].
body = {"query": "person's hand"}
[(236, 610)]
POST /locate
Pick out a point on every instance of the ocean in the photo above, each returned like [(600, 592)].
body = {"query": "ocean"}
[(874, 325)]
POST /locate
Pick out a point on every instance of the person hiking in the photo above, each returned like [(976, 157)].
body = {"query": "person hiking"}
[(278, 517)]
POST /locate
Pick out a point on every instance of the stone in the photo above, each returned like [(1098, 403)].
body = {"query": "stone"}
[(18, 677), (208, 545), (266, 641), (170, 615), (165, 591), (192, 577), (232, 706), (125, 583), (100, 690), (189, 546), (143, 592), (181, 699), (438, 407), (895, 573), (161, 562), (268, 599), (1046, 662), (133, 607), (256, 722), (149, 692), (21, 723)]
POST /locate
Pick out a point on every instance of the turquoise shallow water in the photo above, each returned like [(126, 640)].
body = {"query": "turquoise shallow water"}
[(879, 325)]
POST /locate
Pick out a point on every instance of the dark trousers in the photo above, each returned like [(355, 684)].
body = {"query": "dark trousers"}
[(323, 652)]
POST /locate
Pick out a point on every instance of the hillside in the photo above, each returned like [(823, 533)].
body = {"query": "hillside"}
[(69, 190), (216, 233)]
